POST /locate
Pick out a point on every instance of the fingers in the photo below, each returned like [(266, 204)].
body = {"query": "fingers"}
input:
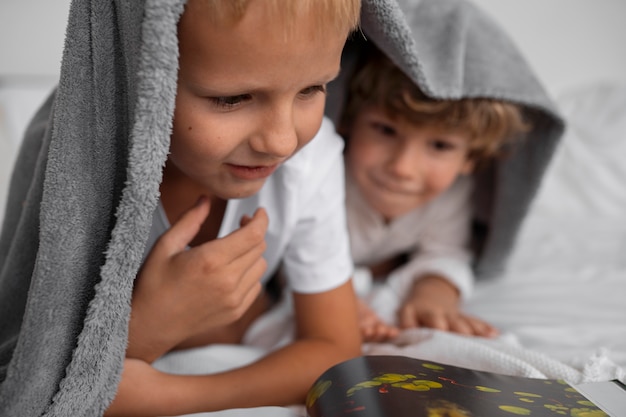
[(378, 332), (481, 328), (240, 252), (373, 329), (183, 231), (455, 322), (249, 236), (471, 326)]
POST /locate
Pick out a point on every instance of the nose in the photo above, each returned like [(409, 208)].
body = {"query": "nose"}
[(277, 135), (406, 162)]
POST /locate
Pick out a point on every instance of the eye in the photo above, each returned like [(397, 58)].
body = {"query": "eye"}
[(229, 102), (440, 145), (313, 90), (384, 128)]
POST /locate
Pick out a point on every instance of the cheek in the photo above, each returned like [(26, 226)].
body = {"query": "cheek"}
[(198, 134), (186, 136), (365, 155), (309, 121), (442, 177), (186, 128)]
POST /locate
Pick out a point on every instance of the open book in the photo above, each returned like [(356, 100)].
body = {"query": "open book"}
[(397, 386)]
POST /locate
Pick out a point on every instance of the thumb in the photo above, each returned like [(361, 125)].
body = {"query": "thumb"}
[(186, 227)]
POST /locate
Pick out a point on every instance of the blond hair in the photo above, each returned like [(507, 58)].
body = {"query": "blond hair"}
[(379, 83), (342, 15)]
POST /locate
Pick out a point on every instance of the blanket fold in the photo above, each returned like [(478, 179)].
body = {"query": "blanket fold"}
[(86, 181)]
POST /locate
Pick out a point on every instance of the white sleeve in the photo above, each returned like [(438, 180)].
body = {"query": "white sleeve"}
[(317, 258), (443, 246)]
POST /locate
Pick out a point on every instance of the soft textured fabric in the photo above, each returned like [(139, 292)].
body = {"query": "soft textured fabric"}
[(304, 199), (87, 176), (434, 236)]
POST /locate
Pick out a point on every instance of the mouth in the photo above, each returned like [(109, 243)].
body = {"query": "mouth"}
[(251, 173), (393, 187)]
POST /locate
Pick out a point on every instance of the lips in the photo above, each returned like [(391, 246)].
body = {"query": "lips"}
[(394, 187), (251, 173)]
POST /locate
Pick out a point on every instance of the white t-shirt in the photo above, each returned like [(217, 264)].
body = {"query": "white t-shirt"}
[(307, 231), (435, 236)]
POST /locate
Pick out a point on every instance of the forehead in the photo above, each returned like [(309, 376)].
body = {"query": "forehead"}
[(256, 49), (338, 15)]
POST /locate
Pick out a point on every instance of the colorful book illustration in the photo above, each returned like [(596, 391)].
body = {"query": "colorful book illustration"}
[(397, 386)]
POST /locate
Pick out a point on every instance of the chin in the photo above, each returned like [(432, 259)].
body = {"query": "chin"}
[(394, 209), (240, 192)]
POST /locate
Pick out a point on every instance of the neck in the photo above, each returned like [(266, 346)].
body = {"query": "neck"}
[(179, 193)]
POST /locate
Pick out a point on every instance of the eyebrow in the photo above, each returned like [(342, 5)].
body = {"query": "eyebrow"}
[(217, 91)]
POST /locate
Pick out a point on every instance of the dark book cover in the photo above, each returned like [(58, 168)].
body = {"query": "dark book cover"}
[(397, 386)]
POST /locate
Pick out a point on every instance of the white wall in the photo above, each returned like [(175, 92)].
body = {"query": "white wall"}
[(31, 37), (567, 42)]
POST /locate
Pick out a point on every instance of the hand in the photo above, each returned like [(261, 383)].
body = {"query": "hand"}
[(181, 292), (434, 303), (373, 329)]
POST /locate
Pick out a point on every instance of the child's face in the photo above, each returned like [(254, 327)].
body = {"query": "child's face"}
[(250, 95), (398, 166)]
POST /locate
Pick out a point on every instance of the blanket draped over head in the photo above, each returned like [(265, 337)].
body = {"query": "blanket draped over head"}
[(87, 177)]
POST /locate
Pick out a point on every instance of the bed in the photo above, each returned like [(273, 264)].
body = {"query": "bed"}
[(560, 305)]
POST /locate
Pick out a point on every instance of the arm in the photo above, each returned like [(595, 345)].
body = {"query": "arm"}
[(327, 334)]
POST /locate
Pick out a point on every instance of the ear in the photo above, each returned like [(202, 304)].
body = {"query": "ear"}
[(468, 167)]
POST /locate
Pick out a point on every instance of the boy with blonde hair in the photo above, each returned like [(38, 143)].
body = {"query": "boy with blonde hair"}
[(237, 175), (240, 127)]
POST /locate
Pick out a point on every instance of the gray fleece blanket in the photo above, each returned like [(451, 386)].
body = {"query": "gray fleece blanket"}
[(86, 180)]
